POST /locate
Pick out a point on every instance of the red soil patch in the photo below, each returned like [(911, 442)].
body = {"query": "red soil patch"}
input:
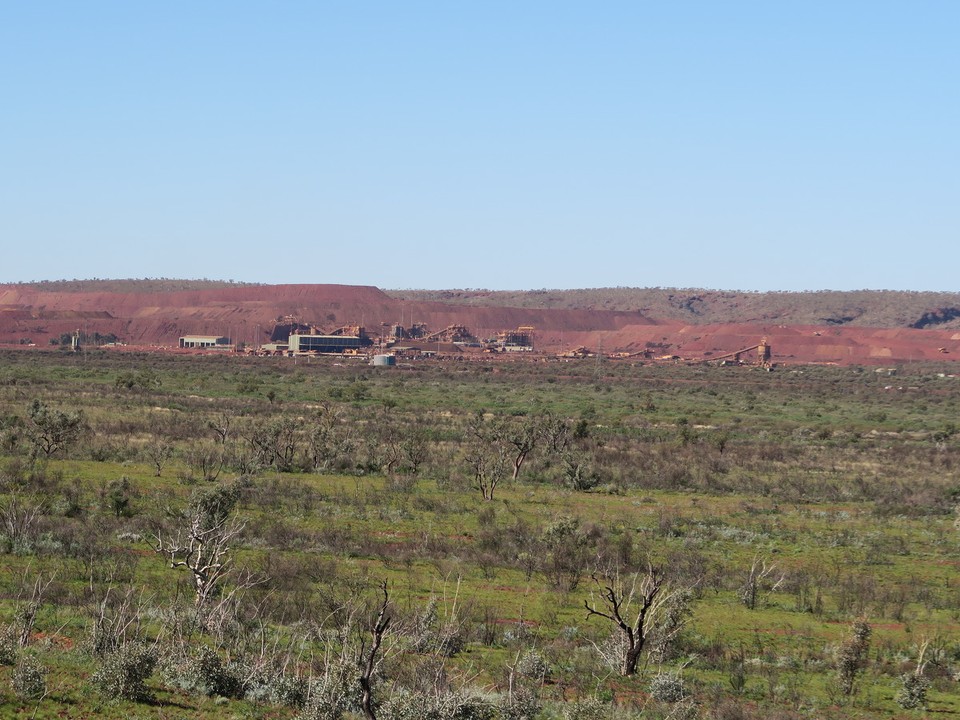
[(60, 641)]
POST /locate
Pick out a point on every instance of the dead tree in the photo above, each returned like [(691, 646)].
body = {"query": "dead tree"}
[(203, 546), (20, 520), (115, 619), (27, 609), (488, 470), (618, 603), (377, 630), (762, 580)]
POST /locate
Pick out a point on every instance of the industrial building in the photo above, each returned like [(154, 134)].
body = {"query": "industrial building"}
[(519, 339), (384, 360), (325, 343), (204, 341)]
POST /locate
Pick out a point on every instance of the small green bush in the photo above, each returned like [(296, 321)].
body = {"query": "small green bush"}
[(213, 676), (667, 687), (523, 705), (124, 673), (590, 708), (533, 666), (333, 693), (273, 686), (9, 645), (203, 673), (29, 679), (406, 705), (913, 691)]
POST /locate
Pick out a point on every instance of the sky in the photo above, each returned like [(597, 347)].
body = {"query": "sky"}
[(503, 145)]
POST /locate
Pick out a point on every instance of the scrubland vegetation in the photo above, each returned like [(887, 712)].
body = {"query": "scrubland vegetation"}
[(219, 536), (863, 308)]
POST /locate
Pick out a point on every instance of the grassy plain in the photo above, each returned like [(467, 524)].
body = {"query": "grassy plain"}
[(842, 480)]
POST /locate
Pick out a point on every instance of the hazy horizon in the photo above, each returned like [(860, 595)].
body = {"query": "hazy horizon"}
[(242, 283)]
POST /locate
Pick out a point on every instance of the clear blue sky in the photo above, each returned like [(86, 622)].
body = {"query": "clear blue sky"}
[(738, 145)]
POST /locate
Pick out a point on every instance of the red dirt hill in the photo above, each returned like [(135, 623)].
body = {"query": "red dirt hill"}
[(161, 318), (248, 313)]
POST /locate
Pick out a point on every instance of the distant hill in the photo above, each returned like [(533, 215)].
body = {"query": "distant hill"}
[(128, 285), (137, 314), (863, 327), (858, 308)]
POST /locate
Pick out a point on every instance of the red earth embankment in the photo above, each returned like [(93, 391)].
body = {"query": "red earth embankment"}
[(248, 313), (789, 343)]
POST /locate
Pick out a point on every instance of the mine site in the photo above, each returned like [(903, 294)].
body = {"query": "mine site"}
[(480, 361), (329, 502), (367, 323)]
